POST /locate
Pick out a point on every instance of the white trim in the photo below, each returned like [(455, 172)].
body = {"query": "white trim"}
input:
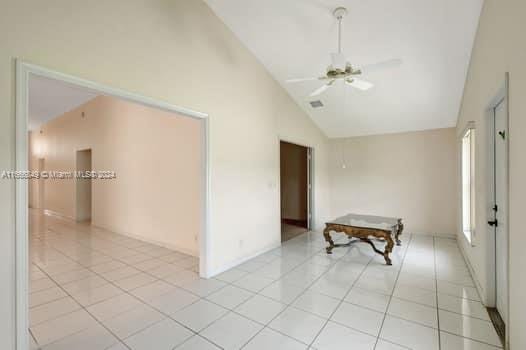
[(128, 234), (57, 214), (23, 69), (312, 194), (443, 235), (311, 202), (153, 241), (205, 242), (21, 210), (291, 140), (470, 127), (237, 262), (29, 68), (478, 285), (310, 187)]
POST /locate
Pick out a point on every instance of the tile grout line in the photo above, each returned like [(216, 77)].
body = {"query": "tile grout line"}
[(317, 252), (125, 292), (302, 293), (436, 294), (392, 292), (33, 337), (340, 303), (461, 315), (231, 282), (167, 316), (258, 293), (140, 300), (294, 299), (285, 304), (160, 279), (85, 309)]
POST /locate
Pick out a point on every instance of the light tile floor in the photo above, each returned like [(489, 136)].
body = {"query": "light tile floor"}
[(96, 290)]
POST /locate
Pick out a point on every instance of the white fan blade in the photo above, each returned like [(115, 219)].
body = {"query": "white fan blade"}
[(359, 84), (320, 90), (381, 65), (299, 80)]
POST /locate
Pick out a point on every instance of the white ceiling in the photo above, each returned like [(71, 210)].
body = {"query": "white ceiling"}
[(49, 98), (433, 38)]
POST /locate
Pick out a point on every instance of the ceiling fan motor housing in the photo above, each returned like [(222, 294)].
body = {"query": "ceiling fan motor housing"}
[(335, 73)]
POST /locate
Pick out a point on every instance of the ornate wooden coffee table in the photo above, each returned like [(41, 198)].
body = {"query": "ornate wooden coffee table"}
[(363, 227)]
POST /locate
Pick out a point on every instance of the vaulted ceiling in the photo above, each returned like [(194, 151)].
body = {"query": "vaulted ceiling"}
[(49, 98), (434, 39)]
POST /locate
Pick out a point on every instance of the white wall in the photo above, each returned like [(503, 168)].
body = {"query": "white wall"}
[(156, 155), (499, 47), (409, 175), (180, 52)]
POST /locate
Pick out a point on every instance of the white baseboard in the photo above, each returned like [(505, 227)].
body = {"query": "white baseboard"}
[(446, 235), (438, 235), (152, 241), (57, 214), (478, 285), (237, 262), (131, 235)]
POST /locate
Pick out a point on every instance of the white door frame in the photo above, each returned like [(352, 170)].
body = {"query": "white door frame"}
[(491, 287), (310, 177), (23, 70), (310, 186)]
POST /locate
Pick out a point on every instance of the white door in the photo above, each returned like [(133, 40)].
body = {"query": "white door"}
[(501, 208)]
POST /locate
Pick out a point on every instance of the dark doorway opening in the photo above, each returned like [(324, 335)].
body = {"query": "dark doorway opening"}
[(295, 189), (83, 186)]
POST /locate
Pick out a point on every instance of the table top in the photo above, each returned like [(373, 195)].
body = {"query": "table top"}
[(367, 221)]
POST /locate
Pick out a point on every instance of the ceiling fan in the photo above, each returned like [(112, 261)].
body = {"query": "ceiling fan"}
[(340, 69)]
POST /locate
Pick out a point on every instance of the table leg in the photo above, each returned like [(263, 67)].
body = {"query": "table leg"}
[(328, 239), (399, 230), (388, 250)]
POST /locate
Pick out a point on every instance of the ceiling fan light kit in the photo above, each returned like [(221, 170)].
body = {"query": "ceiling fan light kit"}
[(340, 68)]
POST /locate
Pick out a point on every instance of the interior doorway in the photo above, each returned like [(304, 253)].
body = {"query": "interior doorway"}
[(498, 217), (83, 186), (296, 187), (41, 256)]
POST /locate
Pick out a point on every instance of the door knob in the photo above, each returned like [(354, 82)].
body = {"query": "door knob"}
[(493, 223)]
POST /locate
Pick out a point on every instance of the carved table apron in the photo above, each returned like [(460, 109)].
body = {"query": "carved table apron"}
[(362, 227)]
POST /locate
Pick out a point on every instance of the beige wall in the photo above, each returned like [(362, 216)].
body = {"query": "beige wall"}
[(499, 47), (293, 181), (410, 175), (35, 188), (176, 51), (156, 155)]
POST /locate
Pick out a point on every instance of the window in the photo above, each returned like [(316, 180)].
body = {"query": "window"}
[(468, 180)]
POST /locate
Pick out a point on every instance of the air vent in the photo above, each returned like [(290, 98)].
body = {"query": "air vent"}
[(316, 104)]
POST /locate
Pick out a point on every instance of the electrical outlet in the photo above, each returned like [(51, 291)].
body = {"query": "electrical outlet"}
[(240, 243)]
